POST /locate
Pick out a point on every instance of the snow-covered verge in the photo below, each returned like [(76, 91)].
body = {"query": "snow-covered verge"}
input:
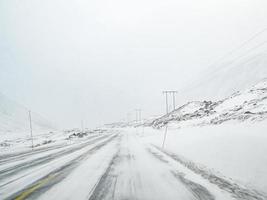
[(11, 143), (249, 104), (233, 152), (27, 175)]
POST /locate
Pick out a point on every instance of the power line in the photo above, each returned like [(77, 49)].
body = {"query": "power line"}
[(236, 49), (249, 50), (128, 117), (240, 46)]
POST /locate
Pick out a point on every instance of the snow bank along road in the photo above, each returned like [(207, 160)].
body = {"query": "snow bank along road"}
[(112, 166)]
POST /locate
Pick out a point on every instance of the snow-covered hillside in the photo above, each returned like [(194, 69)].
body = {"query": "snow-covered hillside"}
[(249, 104), (134, 123), (227, 77), (14, 118)]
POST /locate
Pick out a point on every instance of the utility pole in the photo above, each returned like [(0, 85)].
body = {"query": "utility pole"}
[(30, 119), (138, 115), (142, 122), (173, 98), (167, 92), (128, 117), (167, 107), (82, 125)]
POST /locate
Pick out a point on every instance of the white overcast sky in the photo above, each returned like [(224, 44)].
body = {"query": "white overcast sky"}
[(98, 60)]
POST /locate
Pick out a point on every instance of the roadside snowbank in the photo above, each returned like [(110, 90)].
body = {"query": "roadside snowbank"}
[(231, 150)]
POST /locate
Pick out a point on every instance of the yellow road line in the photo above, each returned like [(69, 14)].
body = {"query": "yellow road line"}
[(29, 191)]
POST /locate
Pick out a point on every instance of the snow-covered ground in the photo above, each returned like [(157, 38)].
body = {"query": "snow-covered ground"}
[(216, 145), (223, 162), (234, 151), (15, 132), (12, 143), (212, 150), (15, 126), (22, 170), (224, 141), (247, 105)]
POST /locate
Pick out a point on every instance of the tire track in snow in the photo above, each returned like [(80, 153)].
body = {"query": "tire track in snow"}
[(234, 189), (5, 158), (130, 176), (41, 160), (105, 187), (199, 191), (41, 185)]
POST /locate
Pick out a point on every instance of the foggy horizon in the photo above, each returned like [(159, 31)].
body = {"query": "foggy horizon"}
[(97, 61), (136, 100)]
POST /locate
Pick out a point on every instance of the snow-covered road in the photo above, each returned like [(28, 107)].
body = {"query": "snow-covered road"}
[(112, 166)]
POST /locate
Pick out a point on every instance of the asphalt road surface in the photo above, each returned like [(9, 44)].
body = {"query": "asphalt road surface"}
[(110, 166)]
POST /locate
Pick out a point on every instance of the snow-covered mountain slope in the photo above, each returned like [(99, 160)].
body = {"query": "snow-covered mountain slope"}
[(249, 104), (222, 80), (134, 123), (14, 118)]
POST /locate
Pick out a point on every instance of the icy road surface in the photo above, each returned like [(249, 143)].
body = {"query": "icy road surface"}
[(112, 166)]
